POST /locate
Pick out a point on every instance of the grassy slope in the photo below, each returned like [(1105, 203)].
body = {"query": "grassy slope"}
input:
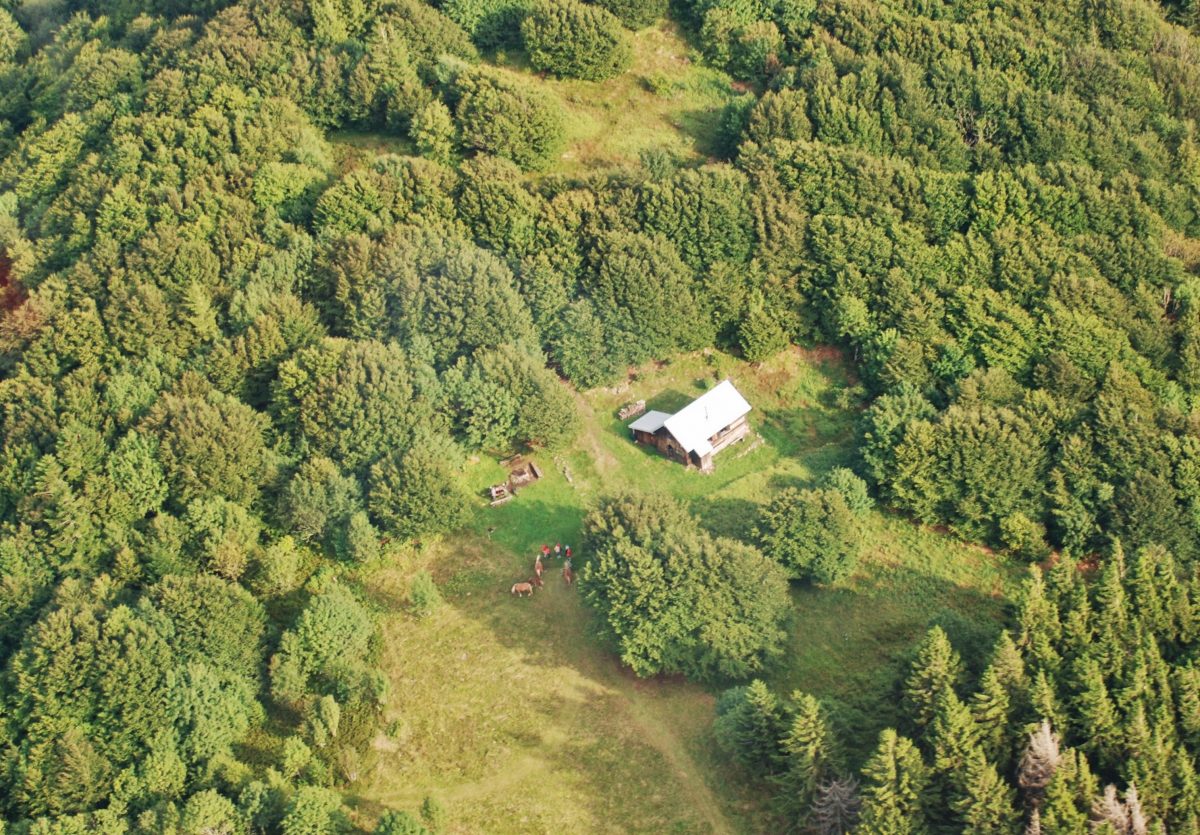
[(666, 101), (514, 715)]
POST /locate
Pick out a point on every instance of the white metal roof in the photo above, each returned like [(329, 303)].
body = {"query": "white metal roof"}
[(650, 422), (705, 416)]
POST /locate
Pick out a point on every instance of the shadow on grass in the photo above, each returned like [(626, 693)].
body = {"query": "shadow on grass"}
[(854, 645), (726, 516), (597, 726), (670, 400)]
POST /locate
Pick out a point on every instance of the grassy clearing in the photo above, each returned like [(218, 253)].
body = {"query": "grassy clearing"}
[(513, 713), (667, 100)]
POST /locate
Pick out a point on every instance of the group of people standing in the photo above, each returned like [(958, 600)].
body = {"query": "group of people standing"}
[(559, 551)]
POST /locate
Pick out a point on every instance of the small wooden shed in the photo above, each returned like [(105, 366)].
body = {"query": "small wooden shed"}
[(698, 431)]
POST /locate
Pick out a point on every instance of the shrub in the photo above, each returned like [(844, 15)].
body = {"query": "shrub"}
[(492, 24), (1024, 537), (423, 594), (812, 533), (358, 540), (399, 823), (433, 813), (575, 40), (852, 487), (636, 14), (509, 119)]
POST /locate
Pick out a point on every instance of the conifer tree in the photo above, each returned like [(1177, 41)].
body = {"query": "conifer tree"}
[(1095, 714), (1185, 796), (936, 670), (810, 757), (1152, 585), (1112, 608), (1039, 762), (1039, 627), (1186, 687), (1009, 668), (1078, 623), (750, 724), (1068, 796), (1148, 760), (1044, 701), (952, 735), (990, 709), (835, 809), (985, 803), (894, 784)]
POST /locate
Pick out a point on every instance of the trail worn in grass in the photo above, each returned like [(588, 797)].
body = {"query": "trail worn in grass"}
[(665, 102), (509, 711), (513, 713)]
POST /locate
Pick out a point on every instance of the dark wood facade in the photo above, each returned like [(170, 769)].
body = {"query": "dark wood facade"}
[(668, 445)]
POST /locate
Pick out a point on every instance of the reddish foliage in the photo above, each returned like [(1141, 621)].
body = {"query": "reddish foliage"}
[(12, 294)]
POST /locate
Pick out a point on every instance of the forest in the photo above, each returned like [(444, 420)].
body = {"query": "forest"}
[(245, 361)]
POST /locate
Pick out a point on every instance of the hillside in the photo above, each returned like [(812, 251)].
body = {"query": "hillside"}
[(285, 284), (522, 722)]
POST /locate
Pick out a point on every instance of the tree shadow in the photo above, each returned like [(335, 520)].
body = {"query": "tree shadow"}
[(669, 400), (725, 516), (779, 482), (854, 645), (704, 127)]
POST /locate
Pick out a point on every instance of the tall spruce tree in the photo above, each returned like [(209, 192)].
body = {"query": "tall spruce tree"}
[(937, 669), (1068, 796), (990, 708), (985, 803), (750, 723), (893, 794), (810, 758)]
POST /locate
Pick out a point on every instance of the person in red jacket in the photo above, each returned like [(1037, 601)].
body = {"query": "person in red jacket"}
[(545, 552)]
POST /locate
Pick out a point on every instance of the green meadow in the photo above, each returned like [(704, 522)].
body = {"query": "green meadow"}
[(515, 715)]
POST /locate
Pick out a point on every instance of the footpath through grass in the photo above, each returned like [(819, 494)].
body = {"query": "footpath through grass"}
[(514, 715), (665, 102)]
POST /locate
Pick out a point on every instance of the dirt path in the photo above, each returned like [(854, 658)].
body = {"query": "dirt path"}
[(644, 702), (687, 771), (512, 714)]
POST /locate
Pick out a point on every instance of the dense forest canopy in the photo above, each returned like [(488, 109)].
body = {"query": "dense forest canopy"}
[(236, 361)]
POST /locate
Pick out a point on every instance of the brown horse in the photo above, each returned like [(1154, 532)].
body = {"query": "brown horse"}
[(522, 589), (568, 575), (537, 581), (537, 566)]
